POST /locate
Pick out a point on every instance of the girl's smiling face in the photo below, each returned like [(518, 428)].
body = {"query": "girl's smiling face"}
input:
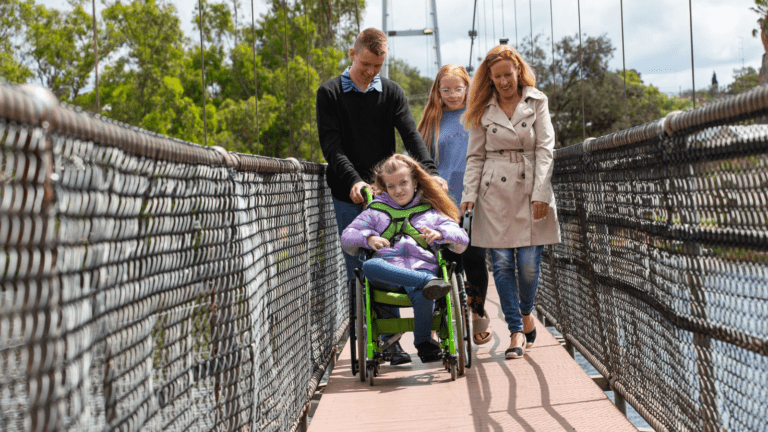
[(400, 185), (453, 92)]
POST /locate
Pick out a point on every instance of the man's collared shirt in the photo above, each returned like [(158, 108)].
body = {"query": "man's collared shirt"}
[(348, 85)]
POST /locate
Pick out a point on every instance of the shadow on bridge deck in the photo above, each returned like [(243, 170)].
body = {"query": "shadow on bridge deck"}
[(545, 391)]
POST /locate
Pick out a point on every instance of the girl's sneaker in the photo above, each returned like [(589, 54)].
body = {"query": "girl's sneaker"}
[(436, 288)]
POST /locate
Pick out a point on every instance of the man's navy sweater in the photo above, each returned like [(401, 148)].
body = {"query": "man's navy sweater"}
[(357, 131)]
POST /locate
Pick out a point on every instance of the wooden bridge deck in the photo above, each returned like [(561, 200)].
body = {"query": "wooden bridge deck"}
[(545, 391)]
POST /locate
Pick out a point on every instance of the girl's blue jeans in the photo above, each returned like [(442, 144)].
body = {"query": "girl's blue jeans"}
[(516, 274), (389, 276)]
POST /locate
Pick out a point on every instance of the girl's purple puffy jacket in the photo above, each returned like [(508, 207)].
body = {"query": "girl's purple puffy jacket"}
[(406, 252)]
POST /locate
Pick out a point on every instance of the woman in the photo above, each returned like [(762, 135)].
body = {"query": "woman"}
[(508, 183), (446, 139)]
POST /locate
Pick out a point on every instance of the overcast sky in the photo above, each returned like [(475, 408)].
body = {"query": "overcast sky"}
[(656, 32)]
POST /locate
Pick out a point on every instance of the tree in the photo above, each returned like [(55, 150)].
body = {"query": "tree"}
[(61, 48), (13, 15), (743, 79), (581, 78), (416, 88), (142, 86)]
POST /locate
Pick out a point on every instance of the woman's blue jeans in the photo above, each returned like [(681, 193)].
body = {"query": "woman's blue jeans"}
[(389, 276), (516, 273)]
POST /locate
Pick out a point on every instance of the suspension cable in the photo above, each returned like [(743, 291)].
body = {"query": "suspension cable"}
[(202, 69), (307, 38), (503, 29), (255, 77), (493, 22), (693, 78), (517, 44), (357, 15), (554, 71), (485, 25), (624, 63), (96, 60), (287, 87), (530, 15), (472, 36), (581, 77)]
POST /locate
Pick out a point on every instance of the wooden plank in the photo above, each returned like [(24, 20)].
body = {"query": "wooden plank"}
[(546, 390)]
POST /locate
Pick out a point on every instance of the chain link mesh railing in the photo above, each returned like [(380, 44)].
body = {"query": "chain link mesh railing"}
[(661, 279), (152, 284)]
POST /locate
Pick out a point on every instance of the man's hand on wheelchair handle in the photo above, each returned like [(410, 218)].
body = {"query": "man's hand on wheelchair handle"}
[(377, 243), (355, 193)]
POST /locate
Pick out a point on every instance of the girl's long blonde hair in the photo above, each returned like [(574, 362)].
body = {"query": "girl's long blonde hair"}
[(482, 86), (428, 190), (429, 126)]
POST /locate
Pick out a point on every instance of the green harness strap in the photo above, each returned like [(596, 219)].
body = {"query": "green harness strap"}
[(400, 224)]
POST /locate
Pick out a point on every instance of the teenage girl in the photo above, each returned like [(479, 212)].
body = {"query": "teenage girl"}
[(408, 260), (445, 137)]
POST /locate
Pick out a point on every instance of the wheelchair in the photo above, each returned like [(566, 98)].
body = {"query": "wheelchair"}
[(368, 320)]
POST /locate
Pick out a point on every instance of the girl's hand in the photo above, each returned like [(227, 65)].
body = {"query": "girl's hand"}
[(430, 235), (540, 210), (377, 243)]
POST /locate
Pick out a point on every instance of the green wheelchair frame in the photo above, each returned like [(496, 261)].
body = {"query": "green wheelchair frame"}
[(450, 320)]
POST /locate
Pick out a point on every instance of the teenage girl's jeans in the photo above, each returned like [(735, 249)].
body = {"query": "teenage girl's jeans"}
[(345, 214), (389, 276), (516, 273)]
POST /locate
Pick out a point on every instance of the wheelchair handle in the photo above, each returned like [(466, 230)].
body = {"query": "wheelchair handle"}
[(367, 195), (466, 222)]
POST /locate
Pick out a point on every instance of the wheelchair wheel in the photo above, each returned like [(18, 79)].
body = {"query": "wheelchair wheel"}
[(466, 317), (362, 335), (371, 374), (463, 347)]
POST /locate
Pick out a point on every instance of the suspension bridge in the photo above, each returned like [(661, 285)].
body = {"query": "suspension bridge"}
[(147, 283)]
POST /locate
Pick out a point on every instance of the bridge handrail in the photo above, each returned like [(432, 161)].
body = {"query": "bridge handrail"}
[(661, 280), (148, 283)]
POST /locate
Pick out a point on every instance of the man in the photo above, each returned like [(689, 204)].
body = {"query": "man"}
[(357, 114)]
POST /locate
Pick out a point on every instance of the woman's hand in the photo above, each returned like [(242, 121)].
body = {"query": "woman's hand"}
[(466, 206), (430, 235), (377, 243), (540, 210)]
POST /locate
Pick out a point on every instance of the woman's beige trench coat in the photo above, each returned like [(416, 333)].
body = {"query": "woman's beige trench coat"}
[(509, 165)]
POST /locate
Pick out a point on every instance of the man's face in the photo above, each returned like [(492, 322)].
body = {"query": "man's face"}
[(365, 66)]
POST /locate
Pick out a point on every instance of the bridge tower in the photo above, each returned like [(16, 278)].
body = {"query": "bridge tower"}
[(423, 32)]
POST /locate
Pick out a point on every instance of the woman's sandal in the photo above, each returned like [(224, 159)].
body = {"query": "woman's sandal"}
[(516, 352), (480, 326), (530, 337)]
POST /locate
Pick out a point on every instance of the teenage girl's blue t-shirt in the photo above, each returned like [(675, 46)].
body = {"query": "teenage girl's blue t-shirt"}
[(452, 152)]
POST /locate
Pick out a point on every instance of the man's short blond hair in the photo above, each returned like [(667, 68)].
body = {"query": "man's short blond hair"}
[(374, 40)]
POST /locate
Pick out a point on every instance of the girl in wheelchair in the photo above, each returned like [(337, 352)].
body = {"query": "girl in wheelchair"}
[(408, 218)]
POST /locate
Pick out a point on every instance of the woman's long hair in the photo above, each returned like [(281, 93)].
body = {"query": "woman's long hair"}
[(482, 86), (429, 126), (428, 190)]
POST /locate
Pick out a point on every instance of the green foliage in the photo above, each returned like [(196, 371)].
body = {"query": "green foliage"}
[(416, 88), (13, 14), (744, 79), (761, 9)]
